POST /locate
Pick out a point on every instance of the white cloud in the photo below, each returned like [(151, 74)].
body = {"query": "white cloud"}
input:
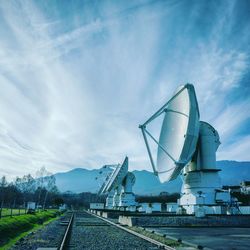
[(239, 150), (229, 120)]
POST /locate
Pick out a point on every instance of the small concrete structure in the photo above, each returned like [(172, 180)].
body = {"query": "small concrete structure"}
[(105, 213), (126, 220), (99, 213)]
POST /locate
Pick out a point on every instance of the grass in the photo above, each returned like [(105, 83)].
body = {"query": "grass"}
[(7, 211), (12, 241), (14, 228), (168, 242)]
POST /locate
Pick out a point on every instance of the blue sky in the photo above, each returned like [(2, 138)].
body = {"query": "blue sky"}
[(77, 77)]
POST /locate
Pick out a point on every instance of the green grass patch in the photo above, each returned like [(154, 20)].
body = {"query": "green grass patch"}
[(169, 242), (13, 227), (12, 241)]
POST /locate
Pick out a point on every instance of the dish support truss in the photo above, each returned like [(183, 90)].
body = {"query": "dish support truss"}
[(145, 132)]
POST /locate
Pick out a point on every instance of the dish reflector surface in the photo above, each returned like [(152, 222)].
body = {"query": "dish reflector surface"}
[(118, 175), (107, 180), (179, 134)]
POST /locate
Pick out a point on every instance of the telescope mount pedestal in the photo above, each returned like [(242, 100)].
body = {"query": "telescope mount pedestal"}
[(127, 197), (109, 200), (202, 189)]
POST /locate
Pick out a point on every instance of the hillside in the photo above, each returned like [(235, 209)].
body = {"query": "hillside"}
[(83, 180)]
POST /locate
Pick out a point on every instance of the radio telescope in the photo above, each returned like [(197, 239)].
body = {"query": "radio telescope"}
[(187, 145), (103, 189), (119, 187), (115, 182)]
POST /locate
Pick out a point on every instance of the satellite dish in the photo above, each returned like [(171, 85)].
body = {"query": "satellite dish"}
[(118, 185), (108, 178), (185, 141), (118, 175), (179, 133)]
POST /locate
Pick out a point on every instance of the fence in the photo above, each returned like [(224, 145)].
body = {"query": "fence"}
[(9, 212)]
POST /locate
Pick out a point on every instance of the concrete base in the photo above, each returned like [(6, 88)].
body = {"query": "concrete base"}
[(99, 213), (109, 214), (186, 221)]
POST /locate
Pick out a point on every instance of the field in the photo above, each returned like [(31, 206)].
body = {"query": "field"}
[(7, 212)]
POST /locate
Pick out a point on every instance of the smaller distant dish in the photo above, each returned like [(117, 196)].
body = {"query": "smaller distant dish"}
[(118, 175), (107, 180)]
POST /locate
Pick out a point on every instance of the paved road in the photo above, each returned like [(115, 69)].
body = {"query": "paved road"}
[(215, 238)]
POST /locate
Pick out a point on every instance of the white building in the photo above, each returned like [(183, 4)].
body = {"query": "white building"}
[(31, 205), (245, 187), (244, 209), (62, 207), (96, 205), (172, 207), (148, 207)]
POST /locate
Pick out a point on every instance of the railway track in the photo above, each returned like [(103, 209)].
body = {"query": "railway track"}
[(66, 236), (88, 231)]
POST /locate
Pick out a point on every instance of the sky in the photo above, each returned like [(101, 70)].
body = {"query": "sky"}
[(78, 77)]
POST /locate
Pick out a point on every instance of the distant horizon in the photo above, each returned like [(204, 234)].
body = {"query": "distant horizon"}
[(96, 168), (80, 179)]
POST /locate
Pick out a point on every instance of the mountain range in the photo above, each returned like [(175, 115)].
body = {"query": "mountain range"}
[(83, 180)]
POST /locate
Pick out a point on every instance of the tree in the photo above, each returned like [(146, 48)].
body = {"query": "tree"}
[(3, 182), (45, 181), (9, 193), (26, 185), (3, 185), (27, 188), (58, 201)]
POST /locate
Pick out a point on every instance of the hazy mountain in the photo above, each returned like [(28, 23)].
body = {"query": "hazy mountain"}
[(78, 180), (83, 180)]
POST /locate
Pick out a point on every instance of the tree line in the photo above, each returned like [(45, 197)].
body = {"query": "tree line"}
[(42, 190), (18, 192)]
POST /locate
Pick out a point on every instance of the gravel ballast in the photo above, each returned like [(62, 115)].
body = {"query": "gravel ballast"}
[(93, 233), (88, 232), (49, 236)]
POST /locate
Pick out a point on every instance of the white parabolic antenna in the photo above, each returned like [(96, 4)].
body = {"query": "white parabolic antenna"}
[(185, 141), (118, 185), (104, 188), (108, 178), (179, 133), (118, 175)]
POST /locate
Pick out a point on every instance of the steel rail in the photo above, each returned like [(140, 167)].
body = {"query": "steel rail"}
[(155, 242), (67, 233)]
